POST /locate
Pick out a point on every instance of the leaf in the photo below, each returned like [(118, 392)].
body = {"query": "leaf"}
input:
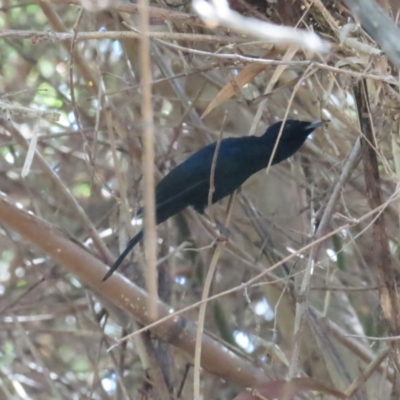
[(246, 75)]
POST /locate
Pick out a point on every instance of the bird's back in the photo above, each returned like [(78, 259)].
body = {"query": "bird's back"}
[(189, 183)]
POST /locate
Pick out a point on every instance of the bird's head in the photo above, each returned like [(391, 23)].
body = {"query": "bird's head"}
[(294, 134)]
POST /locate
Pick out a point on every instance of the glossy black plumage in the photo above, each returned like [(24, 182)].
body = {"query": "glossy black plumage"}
[(238, 158)]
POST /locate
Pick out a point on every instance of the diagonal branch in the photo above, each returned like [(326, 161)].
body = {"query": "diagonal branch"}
[(216, 358)]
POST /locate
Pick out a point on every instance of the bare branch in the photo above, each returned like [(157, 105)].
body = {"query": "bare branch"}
[(217, 12)]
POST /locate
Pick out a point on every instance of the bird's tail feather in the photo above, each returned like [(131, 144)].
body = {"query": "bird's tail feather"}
[(131, 244)]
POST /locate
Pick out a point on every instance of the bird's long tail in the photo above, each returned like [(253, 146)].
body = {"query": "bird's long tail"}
[(131, 244)]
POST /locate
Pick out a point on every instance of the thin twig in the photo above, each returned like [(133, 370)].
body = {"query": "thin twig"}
[(212, 171), (307, 73), (366, 373), (117, 35), (203, 306)]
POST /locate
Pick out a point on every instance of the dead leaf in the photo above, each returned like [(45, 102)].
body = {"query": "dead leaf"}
[(246, 75)]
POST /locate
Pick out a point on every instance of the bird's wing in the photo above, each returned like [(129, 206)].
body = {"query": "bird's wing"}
[(187, 175), (188, 183), (191, 187), (195, 171)]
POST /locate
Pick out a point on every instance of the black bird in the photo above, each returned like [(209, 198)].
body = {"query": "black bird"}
[(238, 158)]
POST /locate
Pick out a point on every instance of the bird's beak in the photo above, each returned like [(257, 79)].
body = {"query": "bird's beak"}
[(314, 125)]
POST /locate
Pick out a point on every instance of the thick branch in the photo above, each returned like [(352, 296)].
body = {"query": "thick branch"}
[(178, 331), (379, 26)]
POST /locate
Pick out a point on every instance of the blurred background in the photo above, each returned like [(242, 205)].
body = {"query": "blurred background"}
[(80, 99)]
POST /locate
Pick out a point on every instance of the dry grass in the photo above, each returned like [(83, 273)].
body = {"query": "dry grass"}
[(307, 275)]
